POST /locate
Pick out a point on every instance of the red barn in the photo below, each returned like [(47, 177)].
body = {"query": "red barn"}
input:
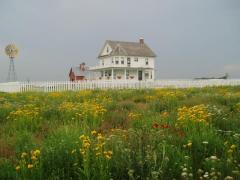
[(79, 73)]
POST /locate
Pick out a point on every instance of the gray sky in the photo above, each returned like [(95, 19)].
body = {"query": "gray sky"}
[(192, 38)]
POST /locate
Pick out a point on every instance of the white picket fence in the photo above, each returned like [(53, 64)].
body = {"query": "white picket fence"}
[(58, 86)]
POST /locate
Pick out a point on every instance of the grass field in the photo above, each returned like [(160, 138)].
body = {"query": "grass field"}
[(121, 134)]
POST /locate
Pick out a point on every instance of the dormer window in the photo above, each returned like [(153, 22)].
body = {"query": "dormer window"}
[(107, 50)]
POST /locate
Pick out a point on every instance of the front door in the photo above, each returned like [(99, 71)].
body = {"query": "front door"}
[(139, 75)]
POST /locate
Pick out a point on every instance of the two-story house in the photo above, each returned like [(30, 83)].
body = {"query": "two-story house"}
[(125, 61)]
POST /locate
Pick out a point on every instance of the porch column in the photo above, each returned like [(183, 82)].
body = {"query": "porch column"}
[(137, 75), (125, 74), (143, 75), (112, 73), (104, 74)]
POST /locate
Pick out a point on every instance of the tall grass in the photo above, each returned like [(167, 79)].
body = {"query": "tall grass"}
[(121, 134)]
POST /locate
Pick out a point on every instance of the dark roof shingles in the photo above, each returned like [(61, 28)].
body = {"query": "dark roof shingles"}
[(121, 48)]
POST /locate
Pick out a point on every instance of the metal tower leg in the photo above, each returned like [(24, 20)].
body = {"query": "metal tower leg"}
[(11, 72)]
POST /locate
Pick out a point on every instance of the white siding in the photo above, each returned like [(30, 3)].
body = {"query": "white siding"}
[(106, 50), (141, 63)]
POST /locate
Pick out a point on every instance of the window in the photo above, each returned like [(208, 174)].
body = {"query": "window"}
[(107, 50), (112, 61), (146, 61), (128, 61), (116, 60), (103, 62), (122, 60), (136, 59)]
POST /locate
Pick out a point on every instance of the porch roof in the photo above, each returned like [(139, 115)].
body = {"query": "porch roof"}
[(119, 68)]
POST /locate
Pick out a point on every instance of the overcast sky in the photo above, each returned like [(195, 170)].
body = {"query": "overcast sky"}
[(192, 38)]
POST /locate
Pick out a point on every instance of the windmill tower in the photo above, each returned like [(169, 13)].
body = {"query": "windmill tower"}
[(11, 51)]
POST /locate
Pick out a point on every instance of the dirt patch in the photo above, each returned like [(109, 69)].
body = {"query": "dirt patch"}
[(6, 151)]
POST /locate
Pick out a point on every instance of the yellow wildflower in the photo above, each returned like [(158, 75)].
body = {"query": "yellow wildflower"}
[(108, 154), (18, 168), (36, 152), (34, 158), (94, 132), (82, 137), (189, 144), (23, 155), (30, 166)]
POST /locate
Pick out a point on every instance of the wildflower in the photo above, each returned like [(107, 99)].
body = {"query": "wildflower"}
[(155, 125), (205, 175), (94, 132), (30, 166), (184, 169), (213, 158), (184, 174), (23, 154), (82, 151), (82, 137), (36, 152), (200, 171), (108, 154), (130, 172), (186, 157), (228, 178), (233, 146), (17, 168), (34, 158), (165, 126), (189, 144), (100, 137), (98, 154), (205, 142), (73, 151)]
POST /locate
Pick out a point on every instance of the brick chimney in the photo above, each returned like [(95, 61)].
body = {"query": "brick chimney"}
[(82, 67), (141, 41)]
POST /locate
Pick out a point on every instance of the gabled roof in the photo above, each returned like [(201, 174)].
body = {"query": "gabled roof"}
[(78, 72), (121, 48)]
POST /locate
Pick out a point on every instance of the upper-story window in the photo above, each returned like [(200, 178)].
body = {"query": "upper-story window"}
[(122, 60), (112, 61), (116, 60), (136, 59), (129, 61), (107, 50), (103, 62), (146, 61)]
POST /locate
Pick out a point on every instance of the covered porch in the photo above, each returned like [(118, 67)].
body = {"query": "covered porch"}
[(131, 74)]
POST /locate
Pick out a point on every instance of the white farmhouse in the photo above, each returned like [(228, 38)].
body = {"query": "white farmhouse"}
[(126, 61)]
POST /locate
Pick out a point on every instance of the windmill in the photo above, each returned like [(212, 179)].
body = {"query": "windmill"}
[(11, 51)]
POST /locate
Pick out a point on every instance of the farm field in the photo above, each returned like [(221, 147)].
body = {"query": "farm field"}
[(121, 134)]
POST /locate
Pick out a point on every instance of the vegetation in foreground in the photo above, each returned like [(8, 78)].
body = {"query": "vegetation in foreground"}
[(121, 134)]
